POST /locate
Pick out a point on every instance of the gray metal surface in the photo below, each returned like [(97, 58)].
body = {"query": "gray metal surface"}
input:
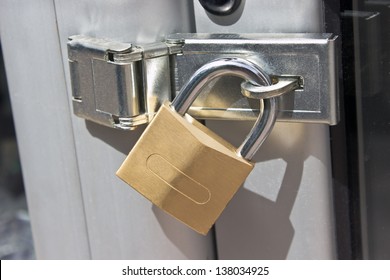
[(121, 224), (44, 129), (284, 210), (78, 207)]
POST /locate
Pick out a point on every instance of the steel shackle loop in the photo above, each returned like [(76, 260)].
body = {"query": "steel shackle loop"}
[(234, 67)]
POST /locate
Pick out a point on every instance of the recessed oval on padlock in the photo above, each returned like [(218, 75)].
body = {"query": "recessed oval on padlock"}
[(185, 168)]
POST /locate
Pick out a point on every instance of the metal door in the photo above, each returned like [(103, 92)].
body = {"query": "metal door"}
[(79, 209)]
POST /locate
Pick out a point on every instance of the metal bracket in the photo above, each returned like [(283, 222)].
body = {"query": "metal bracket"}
[(118, 84), (122, 85)]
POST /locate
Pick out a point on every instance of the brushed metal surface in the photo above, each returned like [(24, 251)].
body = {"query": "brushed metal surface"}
[(122, 225), (44, 129), (284, 210), (79, 209), (293, 201)]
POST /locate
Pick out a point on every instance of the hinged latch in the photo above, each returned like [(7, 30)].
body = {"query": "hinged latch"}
[(122, 85), (118, 84)]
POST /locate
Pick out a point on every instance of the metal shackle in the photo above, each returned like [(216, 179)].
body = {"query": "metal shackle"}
[(234, 67)]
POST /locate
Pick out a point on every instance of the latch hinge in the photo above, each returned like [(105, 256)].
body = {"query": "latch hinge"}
[(122, 85), (119, 84)]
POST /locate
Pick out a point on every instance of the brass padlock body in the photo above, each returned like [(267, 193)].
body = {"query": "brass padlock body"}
[(185, 169)]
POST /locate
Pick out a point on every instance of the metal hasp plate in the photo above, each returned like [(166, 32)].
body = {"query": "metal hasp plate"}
[(122, 85), (118, 84), (311, 56)]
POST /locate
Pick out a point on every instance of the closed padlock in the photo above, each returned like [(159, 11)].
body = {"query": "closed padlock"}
[(186, 169)]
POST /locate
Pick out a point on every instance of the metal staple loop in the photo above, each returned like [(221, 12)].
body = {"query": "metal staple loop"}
[(282, 85)]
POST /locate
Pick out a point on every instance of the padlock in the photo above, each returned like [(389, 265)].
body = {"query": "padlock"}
[(186, 169)]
